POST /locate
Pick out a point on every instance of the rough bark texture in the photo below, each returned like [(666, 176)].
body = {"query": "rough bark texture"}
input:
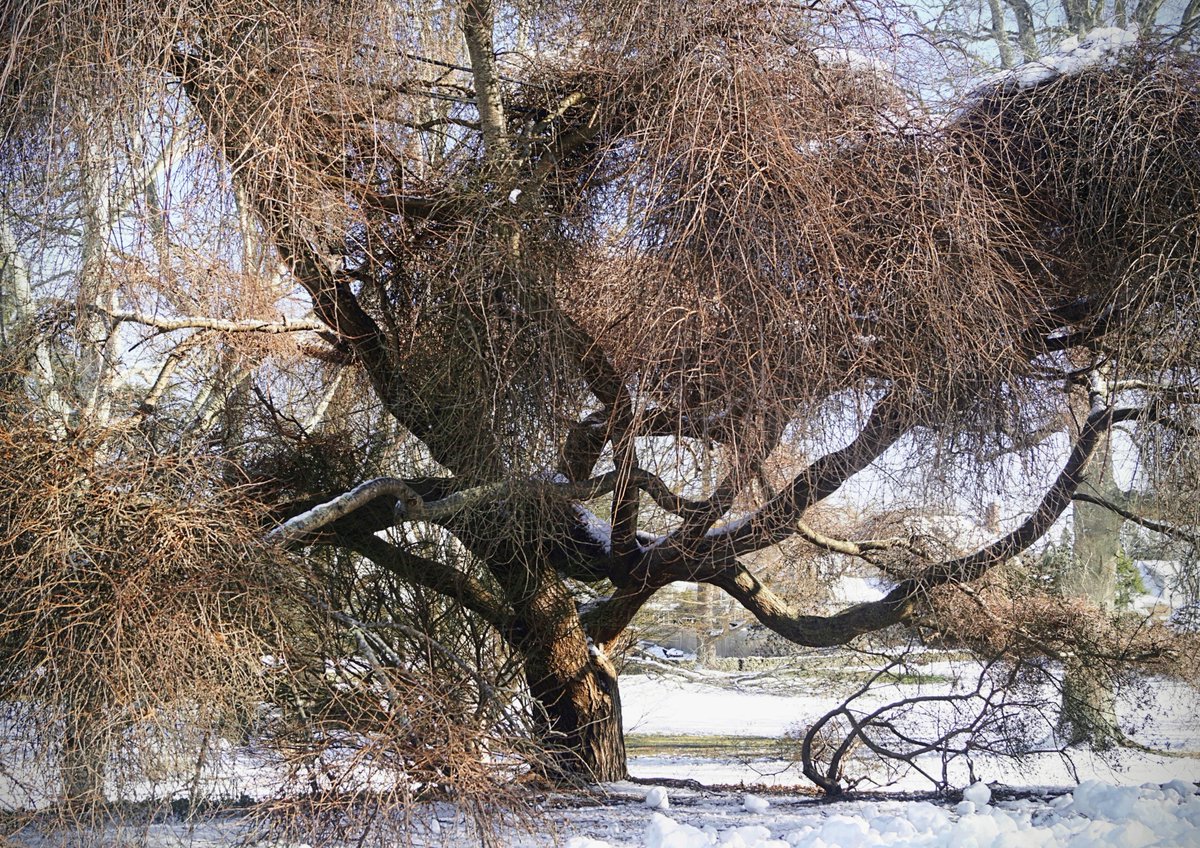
[(583, 715), (570, 678)]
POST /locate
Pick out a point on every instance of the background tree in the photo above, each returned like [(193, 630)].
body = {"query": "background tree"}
[(573, 247)]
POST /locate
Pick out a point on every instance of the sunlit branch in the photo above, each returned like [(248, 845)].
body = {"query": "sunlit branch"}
[(861, 548), (222, 325), (308, 522)]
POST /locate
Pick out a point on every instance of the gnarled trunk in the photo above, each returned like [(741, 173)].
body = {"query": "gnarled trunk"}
[(572, 681), (583, 727)]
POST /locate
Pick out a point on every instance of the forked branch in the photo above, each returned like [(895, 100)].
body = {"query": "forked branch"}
[(901, 604)]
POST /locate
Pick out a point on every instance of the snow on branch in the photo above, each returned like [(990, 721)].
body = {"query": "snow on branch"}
[(295, 529), (223, 325), (411, 507), (1098, 48)]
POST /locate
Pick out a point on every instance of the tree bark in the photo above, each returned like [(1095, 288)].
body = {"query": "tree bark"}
[(571, 679), (1000, 35), (582, 715), (1089, 705), (1088, 714), (1026, 32)]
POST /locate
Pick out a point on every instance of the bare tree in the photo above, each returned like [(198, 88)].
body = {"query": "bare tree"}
[(555, 238)]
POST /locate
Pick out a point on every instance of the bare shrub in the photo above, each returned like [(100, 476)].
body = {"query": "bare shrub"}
[(992, 707), (149, 637), (137, 606)]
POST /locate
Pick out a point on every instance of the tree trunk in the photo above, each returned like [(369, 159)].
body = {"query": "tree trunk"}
[(571, 679), (583, 719), (1089, 705), (82, 755), (706, 625), (1088, 712)]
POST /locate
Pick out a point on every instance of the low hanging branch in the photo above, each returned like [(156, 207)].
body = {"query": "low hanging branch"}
[(310, 521), (900, 604), (1149, 523)]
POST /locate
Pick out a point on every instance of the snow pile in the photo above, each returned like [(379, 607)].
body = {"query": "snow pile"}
[(657, 798), (754, 804), (852, 60), (1098, 48), (598, 530), (1095, 815), (978, 794)]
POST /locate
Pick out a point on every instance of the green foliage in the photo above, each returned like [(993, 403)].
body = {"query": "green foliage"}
[(1046, 572), (1129, 581)]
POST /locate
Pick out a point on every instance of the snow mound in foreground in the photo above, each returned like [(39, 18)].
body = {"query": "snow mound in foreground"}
[(1093, 816)]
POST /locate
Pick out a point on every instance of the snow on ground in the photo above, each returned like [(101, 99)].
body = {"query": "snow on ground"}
[(1163, 714), (1128, 800), (1094, 815), (659, 705)]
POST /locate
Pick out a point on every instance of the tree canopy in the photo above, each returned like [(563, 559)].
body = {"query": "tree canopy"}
[(475, 297)]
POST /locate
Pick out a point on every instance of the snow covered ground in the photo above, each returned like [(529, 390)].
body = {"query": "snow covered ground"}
[(1093, 815), (1126, 800), (1162, 715)]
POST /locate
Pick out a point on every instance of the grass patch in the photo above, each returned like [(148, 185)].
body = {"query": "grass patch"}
[(715, 747)]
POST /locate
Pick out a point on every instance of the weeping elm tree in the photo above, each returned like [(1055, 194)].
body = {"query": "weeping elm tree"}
[(579, 252)]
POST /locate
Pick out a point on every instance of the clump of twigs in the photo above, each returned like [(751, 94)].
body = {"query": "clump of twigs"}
[(136, 603), (374, 749), (150, 640), (992, 707), (1098, 168)]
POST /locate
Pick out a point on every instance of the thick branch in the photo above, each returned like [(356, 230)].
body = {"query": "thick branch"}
[(477, 30), (900, 604), (410, 506), (308, 522), (774, 522), (702, 557), (607, 620)]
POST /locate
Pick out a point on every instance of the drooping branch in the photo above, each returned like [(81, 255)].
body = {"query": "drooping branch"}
[(437, 576), (1129, 515), (901, 603)]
